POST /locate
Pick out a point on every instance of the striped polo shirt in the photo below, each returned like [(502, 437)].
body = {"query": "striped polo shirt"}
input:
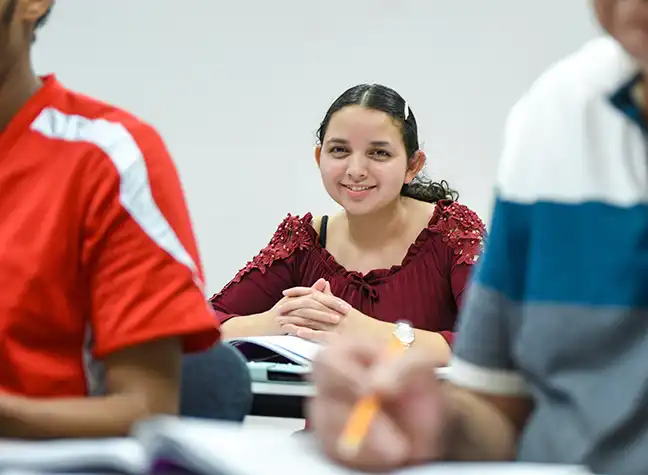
[(558, 310)]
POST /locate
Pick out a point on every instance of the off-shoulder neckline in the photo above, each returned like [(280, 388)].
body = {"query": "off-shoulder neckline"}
[(377, 274)]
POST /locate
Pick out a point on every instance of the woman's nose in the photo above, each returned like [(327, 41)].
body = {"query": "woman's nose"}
[(357, 168)]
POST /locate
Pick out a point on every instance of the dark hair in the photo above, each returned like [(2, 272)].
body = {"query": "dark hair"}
[(385, 99)]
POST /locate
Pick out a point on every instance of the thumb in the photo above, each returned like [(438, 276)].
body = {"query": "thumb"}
[(327, 288), (320, 285)]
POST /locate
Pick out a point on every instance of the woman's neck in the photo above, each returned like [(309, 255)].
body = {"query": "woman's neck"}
[(374, 230)]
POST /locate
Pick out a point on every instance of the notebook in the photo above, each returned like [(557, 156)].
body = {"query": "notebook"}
[(107, 455), (277, 359), (284, 349), (282, 358), (199, 447)]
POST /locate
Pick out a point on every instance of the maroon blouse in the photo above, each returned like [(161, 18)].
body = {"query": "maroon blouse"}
[(426, 288)]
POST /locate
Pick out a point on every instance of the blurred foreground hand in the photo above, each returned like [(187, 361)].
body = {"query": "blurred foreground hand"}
[(412, 421)]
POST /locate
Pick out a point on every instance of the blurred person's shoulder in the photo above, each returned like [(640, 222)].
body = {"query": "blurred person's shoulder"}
[(111, 141), (566, 123), (591, 74), (106, 119)]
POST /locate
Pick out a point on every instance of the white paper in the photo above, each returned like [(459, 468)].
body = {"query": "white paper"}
[(296, 349), (237, 450), (89, 455)]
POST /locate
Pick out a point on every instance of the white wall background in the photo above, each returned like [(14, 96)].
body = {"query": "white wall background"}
[(238, 88)]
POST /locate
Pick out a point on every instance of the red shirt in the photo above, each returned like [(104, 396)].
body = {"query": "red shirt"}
[(426, 288), (97, 251)]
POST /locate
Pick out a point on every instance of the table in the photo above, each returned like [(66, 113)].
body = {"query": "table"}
[(280, 399), (284, 389)]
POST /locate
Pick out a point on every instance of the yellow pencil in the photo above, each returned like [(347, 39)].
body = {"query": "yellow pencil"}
[(363, 414)]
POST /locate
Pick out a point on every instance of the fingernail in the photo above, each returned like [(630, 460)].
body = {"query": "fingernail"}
[(335, 319)]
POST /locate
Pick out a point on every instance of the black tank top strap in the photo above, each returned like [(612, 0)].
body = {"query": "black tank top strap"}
[(322, 233)]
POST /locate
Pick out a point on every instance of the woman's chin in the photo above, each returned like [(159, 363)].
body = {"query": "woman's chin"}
[(360, 209)]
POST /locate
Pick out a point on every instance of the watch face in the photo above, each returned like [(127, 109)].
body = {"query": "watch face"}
[(404, 332)]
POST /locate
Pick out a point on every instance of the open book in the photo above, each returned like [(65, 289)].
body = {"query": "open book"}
[(172, 445), (279, 358), (282, 358), (282, 349)]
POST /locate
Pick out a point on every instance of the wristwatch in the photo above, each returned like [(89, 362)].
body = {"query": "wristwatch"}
[(404, 333)]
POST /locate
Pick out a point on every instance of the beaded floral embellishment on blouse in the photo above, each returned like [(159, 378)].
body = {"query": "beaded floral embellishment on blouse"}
[(460, 228), (463, 231), (289, 237)]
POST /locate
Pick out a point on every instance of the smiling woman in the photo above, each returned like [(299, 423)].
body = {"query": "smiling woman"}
[(386, 104), (402, 249)]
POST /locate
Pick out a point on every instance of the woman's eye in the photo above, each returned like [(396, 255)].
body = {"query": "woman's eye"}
[(381, 153), (337, 150)]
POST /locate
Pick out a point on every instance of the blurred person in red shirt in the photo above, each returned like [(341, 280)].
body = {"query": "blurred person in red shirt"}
[(100, 277)]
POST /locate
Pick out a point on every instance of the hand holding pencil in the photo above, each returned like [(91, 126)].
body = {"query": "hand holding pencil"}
[(377, 408)]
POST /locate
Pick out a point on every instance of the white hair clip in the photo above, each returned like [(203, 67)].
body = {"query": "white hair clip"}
[(406, 113)]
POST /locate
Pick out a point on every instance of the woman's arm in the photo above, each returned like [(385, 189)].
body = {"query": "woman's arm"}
[(433, 343), (142, 381), (250, 325), (356, 323), (464, 234), (246, 306), (459, 281)]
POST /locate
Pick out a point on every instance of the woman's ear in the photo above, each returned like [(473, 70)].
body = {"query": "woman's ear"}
[(318, 154), (33, 10), (414, 165)]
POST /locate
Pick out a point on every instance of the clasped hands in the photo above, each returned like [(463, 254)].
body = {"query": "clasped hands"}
[(316, 314)]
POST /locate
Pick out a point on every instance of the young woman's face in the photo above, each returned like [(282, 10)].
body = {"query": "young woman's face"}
[(363, 160)]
